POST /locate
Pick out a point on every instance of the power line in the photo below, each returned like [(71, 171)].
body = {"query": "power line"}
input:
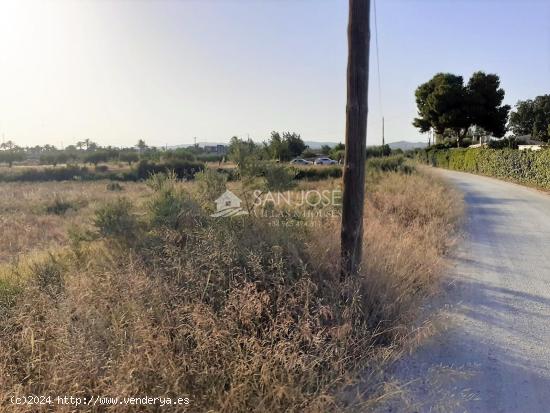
[(378, 68), (377, 57)]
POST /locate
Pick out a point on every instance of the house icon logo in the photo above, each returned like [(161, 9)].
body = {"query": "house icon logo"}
[(228, 205)]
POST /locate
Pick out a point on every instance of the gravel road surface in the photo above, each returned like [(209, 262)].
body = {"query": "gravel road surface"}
[(492, 349)]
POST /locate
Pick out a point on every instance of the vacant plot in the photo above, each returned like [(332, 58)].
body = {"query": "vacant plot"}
[(38, 216), (144, 294)]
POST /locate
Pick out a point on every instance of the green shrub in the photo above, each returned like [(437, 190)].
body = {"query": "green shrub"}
[(182, 168), (67, 173), (114, 186), (210, 184), (317, 174), (60, 206), (279, 177), (232, 174), (116, 220), (49, 275), (525, 167), (170, 206), (389, 164)]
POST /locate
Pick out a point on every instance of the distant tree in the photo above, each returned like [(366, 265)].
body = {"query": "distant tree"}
[(325, 149), (96, 157), (12, 155), (337, 153), (378, 151), (54, 157), (445, 104), (9, 145), (141, 145), (129, 157), (532, 117), (441, 105), (186, 154), (294, 143), (240, 150), (484, 103), (308, 153), (277, 148)]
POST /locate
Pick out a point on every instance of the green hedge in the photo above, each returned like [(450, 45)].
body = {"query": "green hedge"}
[(525, 167)]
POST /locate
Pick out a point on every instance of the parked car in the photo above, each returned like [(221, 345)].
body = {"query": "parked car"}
[(325, 161), (300, 161)]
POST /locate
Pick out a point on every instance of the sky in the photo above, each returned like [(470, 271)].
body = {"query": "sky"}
[(115, 71)]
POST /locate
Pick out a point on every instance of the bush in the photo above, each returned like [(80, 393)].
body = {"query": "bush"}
[(210, 185), (232, 174), (68, 173), (49, 275), (525, 167), (389, 164), (116, 220), (182, 154), (317, 174), (378, 151), (171, 207), (279, 177), (60, 206), (209, 157), (114, 186), (183, 169)]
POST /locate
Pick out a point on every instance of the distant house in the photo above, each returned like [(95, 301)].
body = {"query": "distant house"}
[(218, 149), (530, 147), (529, 144)]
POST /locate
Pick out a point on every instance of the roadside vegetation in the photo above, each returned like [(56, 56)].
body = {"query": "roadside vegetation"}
[(143, 293), (524, 167), (511, 145)]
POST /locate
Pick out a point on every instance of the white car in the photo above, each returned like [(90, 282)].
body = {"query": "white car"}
[(300, 161), (325, 161)]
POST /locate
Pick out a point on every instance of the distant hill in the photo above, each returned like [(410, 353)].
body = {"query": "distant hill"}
[(317, 145), (311, 144), (406, 146)]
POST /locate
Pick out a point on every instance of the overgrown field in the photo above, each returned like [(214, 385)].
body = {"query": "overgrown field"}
[(139, 292), (524, 167)]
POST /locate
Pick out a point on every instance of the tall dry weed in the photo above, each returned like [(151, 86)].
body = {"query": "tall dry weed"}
[(237, 315)]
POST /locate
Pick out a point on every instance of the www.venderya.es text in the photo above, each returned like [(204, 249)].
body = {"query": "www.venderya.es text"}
[(100, 400)]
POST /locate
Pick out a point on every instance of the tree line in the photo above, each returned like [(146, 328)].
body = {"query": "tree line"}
[(280, 146), (463, 112), (89, 152)]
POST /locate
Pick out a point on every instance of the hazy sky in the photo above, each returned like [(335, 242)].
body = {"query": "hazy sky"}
[(167, 71)]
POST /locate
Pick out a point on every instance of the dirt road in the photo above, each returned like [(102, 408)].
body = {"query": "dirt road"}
[(492, 353)]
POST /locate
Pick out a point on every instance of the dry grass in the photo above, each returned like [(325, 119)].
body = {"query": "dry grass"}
[(30, 222), (237, 315)]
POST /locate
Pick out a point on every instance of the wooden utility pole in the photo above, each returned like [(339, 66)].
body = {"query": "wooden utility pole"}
[(383, 137), (353, 196)]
